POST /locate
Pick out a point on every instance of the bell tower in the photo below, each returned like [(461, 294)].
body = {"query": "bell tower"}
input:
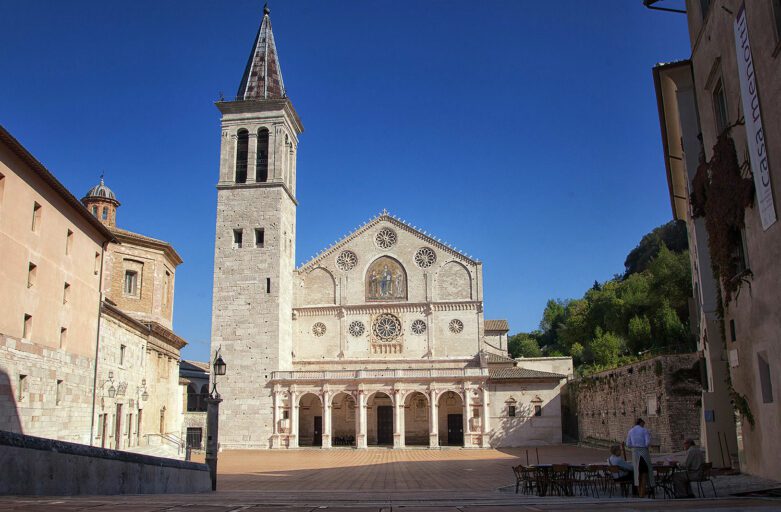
[(254, 251)]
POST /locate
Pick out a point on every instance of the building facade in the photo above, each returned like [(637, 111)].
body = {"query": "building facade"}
[(51, 251), (720, 128), (379, 340)]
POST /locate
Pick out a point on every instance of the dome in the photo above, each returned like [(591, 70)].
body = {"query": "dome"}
[(101, 191)]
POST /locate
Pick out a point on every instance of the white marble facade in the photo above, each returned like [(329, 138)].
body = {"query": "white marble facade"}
[(379, 340)]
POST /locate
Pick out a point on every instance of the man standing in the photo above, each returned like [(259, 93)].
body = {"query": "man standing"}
[(639, 439), (691, 470)]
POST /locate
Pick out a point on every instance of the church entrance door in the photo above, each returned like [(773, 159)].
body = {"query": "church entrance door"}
[(384, 424), (317, 440), (455, 429)]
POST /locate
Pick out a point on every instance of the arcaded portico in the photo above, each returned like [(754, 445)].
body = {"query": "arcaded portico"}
[(427, 407)]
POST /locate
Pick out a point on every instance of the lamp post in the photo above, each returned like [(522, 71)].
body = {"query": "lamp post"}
[(213, 418)]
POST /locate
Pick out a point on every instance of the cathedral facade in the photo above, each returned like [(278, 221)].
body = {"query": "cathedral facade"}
[(378, 340)]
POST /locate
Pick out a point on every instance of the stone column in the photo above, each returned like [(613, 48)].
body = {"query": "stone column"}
[(433, 427), (275, 418), (467, 434), (486, 420), (398, 419), (360, 420), (326, 419), (293, 420), (252, 151)]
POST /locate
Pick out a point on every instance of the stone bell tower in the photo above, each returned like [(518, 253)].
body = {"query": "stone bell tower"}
[(254, 251)]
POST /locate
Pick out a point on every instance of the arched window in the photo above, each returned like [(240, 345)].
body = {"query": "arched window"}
[(192, 398), (262, 158), (242, 146), (94, 211), (104, 215)]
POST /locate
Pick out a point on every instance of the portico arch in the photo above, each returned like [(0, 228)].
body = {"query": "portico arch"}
[(416, 419), (310, 420), (451, 419), (380, 419), (343, 411)]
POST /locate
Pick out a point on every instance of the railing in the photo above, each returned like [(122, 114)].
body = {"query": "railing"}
[(168, 438), (407, 373)]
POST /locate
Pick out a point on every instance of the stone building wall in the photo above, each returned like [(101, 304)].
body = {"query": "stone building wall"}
[(665, 391), (39, 408)]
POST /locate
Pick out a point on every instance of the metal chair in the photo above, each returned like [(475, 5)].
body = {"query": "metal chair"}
[(705, 476)]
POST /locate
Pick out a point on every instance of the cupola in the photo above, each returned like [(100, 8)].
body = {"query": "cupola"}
[(102, 203)]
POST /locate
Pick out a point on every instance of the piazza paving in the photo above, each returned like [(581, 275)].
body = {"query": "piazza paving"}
[(383, 480)]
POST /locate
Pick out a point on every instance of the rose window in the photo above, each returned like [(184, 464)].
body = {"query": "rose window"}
[(425, 257), (418, 326), (385, 238), (318, 329), (356, 328), (456, 326), (346, 261), (386, 327)]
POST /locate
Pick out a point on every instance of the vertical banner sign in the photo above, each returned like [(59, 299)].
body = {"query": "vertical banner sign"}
[(755, 134)]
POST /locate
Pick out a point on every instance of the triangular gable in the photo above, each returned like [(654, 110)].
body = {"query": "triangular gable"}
[(398, 223)]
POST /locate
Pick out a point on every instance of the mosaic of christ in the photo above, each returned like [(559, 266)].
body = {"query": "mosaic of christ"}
[(386, 280)]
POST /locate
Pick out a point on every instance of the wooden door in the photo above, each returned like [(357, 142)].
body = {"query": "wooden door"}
[(384, 424), (455, 429), (103, 430), (318, 437)]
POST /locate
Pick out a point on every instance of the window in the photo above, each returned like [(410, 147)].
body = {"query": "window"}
[(764, 378), (261, 165), (511, 411), (66, 293), (94, 211), (651, 406), (732, 335), (2, 187), (131, 282), (101, 425), (32, 271), (194, 437), (104, 215), (60, 391), (741, 253), (63, 336), (27, 329), (242, 146), (36, 216), (285, 414), (68, 242), (166, 288), (260, 237), (122, 350), (238, 235), (538, 410), (720, 107), (97, 263), (268, 285), (21, 390)]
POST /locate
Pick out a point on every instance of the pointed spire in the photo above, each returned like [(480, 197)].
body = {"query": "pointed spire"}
[(262, 77)]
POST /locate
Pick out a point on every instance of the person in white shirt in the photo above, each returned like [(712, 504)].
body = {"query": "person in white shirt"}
[(618, 461), (639, 439)]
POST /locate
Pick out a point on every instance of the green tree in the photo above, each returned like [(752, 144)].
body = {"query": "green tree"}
[(606, 347), (671, 236), (524, 345), (639, 333)]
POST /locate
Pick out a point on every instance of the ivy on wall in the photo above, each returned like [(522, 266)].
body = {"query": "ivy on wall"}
[(721, 193)]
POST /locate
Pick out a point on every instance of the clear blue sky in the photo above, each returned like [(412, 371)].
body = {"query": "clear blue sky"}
[(524, 133)]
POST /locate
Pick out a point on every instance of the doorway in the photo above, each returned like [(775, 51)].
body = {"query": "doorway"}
[(118, 429), (384, 424), (317, 440), (455, 429)]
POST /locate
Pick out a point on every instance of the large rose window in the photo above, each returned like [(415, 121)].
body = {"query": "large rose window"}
[(386, 327)]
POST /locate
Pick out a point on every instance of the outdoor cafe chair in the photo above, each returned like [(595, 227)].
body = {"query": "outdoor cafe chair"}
[(705, 476)]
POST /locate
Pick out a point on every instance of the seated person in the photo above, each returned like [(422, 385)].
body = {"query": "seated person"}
[(615, 459), (691, 470)]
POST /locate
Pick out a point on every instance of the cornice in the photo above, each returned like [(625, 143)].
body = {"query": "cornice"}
[(229, 185), (367, 309)]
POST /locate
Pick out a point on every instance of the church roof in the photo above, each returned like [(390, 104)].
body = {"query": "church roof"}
[(262, 78), (101, 191), (497, 325), (521, 373), (492, 358), (384, 216)]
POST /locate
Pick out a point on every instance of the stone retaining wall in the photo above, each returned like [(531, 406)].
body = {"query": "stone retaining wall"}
[(665, 391), (33, 465)]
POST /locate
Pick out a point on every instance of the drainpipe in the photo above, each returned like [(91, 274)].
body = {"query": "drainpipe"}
[(97, 344)]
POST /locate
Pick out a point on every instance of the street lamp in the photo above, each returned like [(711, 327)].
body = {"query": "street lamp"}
[(213, 416)]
